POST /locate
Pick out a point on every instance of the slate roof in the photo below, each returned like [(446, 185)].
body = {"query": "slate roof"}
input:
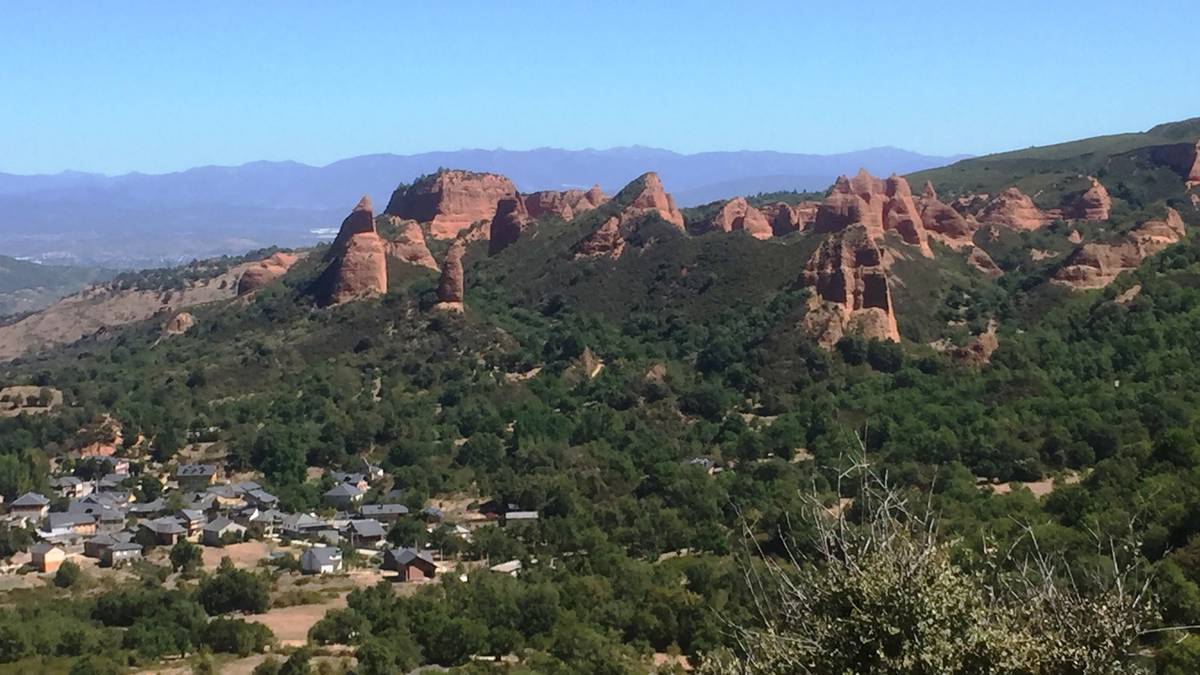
[(343, 490), (30, 499), (383, 510), (192, 470), (366, 528)]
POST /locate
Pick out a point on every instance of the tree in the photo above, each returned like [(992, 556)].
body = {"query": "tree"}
[(95, 665), (233, 590), (235, 636), (13, 540), (68, 574), (186, 557)]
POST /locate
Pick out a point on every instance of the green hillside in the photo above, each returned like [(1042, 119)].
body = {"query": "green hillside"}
[(1136, 167), (27, 286)]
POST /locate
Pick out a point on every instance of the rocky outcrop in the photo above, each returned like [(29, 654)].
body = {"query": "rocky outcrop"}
[(179, 324), (407, 243), (450, 201), (1095, 265), (737, 215), (507, 225), (900, 215), (852, 293), (1013, 209), (605, 241), (978, 351), (981, 261), (644, 197), (786, 218), (258, 275), (565, 204), (357, 260), (450, 286), (878, 205), (1092, 204), (943, 222)]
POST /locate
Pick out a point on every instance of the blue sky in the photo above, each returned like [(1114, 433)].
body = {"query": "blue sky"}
[(161, 86)]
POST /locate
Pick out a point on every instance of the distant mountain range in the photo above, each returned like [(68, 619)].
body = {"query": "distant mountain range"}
[(136, 220)]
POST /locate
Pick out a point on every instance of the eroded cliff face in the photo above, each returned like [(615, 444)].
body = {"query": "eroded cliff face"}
[(357, 260), (407, 243), (1013, 209), (851, 289), (786, 218), (451, 201), (879, 205), (1093, 203), (566, 204), (508, 224), (943, 222), (608, 240), (1096, 265)]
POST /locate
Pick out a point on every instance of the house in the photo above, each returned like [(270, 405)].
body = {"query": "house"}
[(300, 525), (60, 526), (412, 565), (321, 560), (265, 522), (118, 465), (344, 496), (120, 554), (221, 531), (365, 533), (227, 496), (164, 531), (261, 498), (192, 520), (99, 544), (71, 487), (47, 557), (513, 518), (30, 505), (202, 501), (433, 514), (388, 513), (195, 476)]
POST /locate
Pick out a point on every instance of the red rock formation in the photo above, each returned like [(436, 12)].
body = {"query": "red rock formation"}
[(852, 294), (608, 240), (565, 204), (879, 205), (508, 224), (943, 222), (262, 273), (1074, 237), (1095, 265), (450, 286), (1013, 209), (451, 201), (408, 243), (847, 205), (1092, 204), (736, 215), (358, 260), (786, 219), (979, 350), (900, 214), (652, 199)]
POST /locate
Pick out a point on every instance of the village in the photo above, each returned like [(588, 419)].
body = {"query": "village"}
[(99, 523)]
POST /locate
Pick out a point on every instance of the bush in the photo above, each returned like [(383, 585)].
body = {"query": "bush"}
[(233, 590), (68, 575)]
